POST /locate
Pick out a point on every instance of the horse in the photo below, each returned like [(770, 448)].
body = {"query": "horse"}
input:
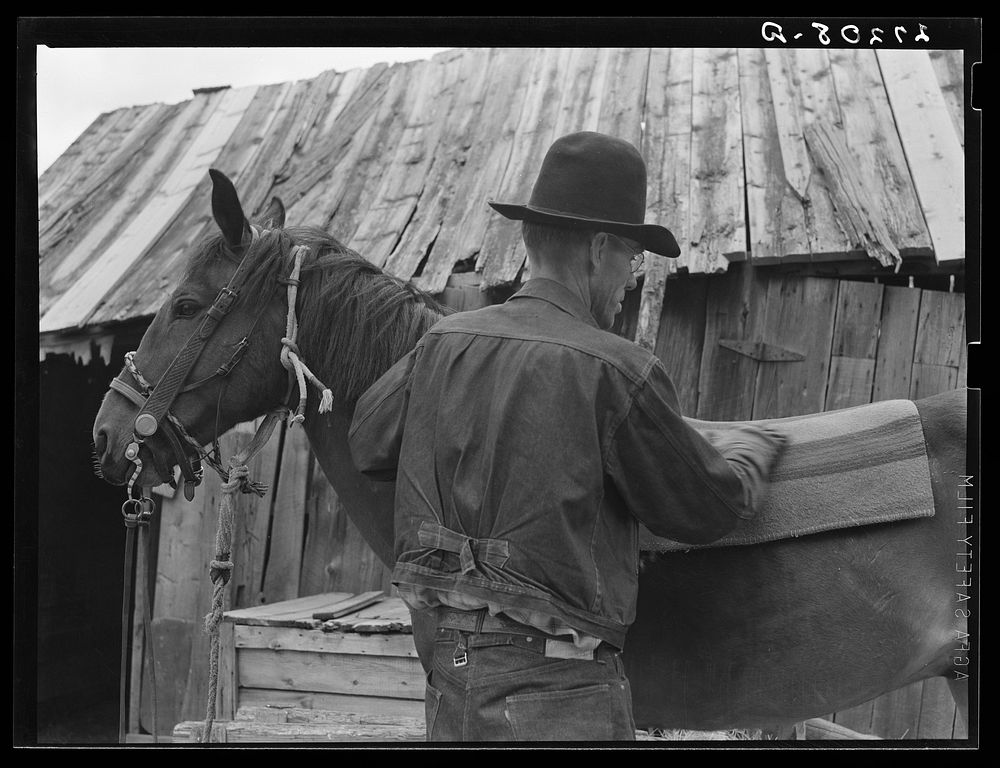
[(733, 637)]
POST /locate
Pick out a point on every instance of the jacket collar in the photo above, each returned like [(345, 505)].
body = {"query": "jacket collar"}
[(557, 295)]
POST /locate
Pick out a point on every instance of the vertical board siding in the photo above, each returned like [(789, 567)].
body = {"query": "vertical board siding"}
[(937, 710), (734, 311), (798, 317), (855, 343), (894, 361), (288, 506), (858, 718), (251, 526), (681, 338), (939, 344), (321, 533), (339, 557), (896, 715)]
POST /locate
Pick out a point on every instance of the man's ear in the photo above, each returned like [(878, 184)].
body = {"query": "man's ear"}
[(597, 250)]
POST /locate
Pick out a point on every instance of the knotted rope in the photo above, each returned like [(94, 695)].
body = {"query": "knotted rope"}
[(221, 570), (290, 356)]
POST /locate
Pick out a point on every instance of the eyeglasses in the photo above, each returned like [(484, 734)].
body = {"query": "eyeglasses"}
[(638, 257)]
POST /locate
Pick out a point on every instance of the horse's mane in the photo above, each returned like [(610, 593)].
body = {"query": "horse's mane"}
[(355, 320)]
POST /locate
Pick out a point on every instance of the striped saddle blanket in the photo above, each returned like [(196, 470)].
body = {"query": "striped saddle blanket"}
[(850, 467)]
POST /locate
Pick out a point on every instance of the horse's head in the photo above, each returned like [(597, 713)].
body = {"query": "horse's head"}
[(213, 349), (214, 354)]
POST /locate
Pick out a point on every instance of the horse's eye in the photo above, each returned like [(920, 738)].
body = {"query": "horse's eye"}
[(186, 309)]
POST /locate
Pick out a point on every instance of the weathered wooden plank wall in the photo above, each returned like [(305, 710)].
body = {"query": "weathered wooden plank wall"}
[(855, 344)]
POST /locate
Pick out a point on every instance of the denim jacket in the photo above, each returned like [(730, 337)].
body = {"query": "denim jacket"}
[(527, 445)]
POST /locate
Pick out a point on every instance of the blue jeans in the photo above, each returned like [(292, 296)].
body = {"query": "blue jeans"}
[(501, 687)]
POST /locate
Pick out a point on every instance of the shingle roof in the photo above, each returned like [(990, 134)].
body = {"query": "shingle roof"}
[(785, 155)]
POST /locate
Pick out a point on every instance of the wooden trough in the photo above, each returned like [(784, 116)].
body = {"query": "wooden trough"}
[(328, 667)]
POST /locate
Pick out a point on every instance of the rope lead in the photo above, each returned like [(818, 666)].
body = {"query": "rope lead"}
[(221, 570), (290, 357)]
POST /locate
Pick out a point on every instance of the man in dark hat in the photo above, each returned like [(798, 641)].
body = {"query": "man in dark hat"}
[(527, 443)]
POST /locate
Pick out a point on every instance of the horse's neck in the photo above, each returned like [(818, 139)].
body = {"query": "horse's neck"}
[(369, 505)]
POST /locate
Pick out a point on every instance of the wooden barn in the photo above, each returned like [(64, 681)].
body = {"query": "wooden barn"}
[(818, 197)]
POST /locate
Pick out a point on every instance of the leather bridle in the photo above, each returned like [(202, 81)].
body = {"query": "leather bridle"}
[(154, 401)]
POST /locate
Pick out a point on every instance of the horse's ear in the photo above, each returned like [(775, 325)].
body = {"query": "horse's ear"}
[(227, 211), (274, 216)]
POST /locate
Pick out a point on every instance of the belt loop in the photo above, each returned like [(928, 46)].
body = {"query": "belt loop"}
[(480, 618)]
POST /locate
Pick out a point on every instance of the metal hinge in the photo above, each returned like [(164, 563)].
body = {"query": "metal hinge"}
[(762, 351)]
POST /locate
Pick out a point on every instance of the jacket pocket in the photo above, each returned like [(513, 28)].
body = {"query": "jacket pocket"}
[(582, 714)]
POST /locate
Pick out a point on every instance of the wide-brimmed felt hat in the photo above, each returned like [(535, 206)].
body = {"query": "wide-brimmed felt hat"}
[(593, 181)]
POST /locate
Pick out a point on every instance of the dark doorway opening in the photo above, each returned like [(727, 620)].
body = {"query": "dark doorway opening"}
[(80, 555)]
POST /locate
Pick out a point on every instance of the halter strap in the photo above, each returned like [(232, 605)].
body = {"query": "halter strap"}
[(169, 386), (190, 468)]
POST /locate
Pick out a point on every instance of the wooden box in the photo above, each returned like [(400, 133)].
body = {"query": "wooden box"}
[(329, 667)]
